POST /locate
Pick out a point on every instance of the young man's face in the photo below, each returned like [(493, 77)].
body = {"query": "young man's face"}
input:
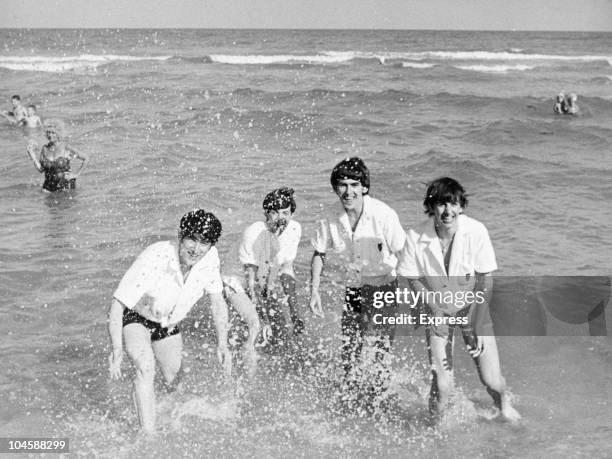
[(277, 220), (16, 103), (192, 251), (351, 193), (31, 111), (446, 214)]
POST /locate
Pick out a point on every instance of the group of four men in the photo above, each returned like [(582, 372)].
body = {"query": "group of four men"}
[(450, 252)]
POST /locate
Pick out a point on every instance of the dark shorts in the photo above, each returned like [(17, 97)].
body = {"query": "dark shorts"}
[(359, 303), (157, 331)]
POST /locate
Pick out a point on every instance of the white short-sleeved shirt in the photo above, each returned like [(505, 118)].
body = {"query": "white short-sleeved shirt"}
[(472, 252), (368, 254), (273, 255), (157, 274)]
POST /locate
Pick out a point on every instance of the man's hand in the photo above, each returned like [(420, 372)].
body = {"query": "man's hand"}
[(114, 363), (315, 304), (478, 349)]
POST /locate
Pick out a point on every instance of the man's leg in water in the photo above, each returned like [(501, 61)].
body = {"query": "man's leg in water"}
[(288, 283)]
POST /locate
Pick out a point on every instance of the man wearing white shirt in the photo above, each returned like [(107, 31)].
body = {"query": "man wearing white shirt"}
[(155, 294), (449, 259), (261, 265), (366, 235)]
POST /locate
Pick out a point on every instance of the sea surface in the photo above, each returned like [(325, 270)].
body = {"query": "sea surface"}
[(178, 119)]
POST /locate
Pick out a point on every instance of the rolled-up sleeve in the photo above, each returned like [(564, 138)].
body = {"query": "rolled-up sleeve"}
[(394, 233), (484, 256), (408, 265), (320, 240), (139, 278)]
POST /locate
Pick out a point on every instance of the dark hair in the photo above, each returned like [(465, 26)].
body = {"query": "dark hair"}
[(443, 190), (353, 169), (281, 198), (32, 106), (201, 226), (16, 97)]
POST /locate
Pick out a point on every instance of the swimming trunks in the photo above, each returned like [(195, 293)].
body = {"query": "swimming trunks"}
[(157, 331), (54, 170)]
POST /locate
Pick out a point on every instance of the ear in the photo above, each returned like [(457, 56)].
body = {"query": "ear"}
[(365, 190)]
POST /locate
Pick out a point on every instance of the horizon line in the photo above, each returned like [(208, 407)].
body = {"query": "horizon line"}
[(374, 29)]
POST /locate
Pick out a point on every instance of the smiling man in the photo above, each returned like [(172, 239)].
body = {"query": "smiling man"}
[(154, 295), (260, 268), (452, 253), (365, 234)]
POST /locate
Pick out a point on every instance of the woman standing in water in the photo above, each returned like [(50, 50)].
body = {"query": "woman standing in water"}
[(55, 156), (154, 295)]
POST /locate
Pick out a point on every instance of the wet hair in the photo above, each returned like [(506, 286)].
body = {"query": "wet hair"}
[(352, 169), (32, 106), (281, 198), (56, 125), (16, 97), (443, 190), (201, 226)]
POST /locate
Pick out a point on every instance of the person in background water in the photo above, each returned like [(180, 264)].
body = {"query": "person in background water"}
[(263, 261), (566, 105), (451, 252), (366, 235), (154, 295), (55, 158), (32, 120), (559, 104), (18, 113), (571, 107)]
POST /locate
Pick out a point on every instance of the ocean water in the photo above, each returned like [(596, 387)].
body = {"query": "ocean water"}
[(177, 119)]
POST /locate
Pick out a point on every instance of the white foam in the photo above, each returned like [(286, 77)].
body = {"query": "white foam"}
[(330, 57), (57, 64), (496, 68), (261, 59), (417, 65)]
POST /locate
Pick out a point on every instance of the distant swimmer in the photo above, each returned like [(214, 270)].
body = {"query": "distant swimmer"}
[(18, 113), (32, 120), (155, 295), (559, 104), (261, 270), (571, 107), (54, 159), (566, 105)]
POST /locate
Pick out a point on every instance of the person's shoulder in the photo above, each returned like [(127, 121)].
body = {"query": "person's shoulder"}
[(294, 225), (472, 225), (376, 205), (254, 230)]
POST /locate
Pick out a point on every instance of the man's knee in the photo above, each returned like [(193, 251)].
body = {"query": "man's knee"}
[(145, 366)]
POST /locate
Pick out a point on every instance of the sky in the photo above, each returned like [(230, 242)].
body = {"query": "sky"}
[(567, 15)]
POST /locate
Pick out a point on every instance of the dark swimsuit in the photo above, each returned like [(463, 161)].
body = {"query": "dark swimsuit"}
[(157, 331), (54, 173)]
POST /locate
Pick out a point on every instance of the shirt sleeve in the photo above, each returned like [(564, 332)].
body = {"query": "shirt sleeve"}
[(320, 240), (408, 265), (394, 233), (140, 277), (484, 256)]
